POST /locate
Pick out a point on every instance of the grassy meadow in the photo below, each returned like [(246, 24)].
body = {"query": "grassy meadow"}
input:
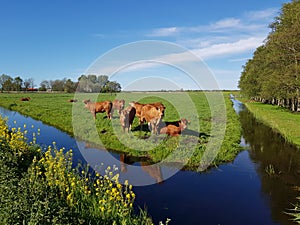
[(278, 118), (205, 130)]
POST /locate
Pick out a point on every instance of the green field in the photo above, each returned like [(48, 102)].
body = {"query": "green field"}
[(278, 118), (198, 145)]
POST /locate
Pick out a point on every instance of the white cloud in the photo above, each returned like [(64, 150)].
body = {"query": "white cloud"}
[(266, 14), (224, 38), (252, 22), (239, 59), (229, 48), (225, 23), (164, 32)]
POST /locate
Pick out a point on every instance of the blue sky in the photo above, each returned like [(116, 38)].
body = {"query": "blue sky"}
[(47, 40)]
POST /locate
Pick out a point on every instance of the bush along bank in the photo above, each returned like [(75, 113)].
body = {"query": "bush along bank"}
[(44, 188)]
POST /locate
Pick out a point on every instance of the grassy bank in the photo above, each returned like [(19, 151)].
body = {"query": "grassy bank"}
[(44, 188), (54, 109), (283, 121)]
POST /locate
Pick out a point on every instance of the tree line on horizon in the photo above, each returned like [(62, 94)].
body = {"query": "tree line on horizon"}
[(85, 83), (272, 75)]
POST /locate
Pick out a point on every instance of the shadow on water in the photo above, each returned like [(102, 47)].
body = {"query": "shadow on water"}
[(278, 164)]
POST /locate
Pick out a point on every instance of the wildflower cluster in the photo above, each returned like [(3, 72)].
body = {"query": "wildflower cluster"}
[(113, 197), (47, 189), (101, 196), (14, 139)]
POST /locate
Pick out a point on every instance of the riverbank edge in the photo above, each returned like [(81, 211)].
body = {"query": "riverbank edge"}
[(229, 150), (277, 118)]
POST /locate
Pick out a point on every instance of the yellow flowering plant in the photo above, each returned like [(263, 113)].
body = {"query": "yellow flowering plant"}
[(48, 189)]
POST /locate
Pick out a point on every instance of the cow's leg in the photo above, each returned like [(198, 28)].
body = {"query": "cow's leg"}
[(108, 113), (150, 127), (129, 128), (141, 125), (111, 112)]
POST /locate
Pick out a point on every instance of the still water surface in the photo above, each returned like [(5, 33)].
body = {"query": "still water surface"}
[(236, 193)]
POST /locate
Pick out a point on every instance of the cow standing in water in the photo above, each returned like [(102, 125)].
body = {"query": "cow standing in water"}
[(99, 107)]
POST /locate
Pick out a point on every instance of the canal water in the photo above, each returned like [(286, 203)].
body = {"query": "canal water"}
[(258, 187)]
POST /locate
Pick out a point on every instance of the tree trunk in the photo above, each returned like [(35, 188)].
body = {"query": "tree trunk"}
[(298, 105)]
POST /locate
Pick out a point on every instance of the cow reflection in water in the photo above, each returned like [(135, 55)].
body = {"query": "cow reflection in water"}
[(153, 170)]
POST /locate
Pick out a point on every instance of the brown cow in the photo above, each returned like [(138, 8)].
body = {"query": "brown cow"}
[(99, 107), (173, 130), (127, 117), (86, 101), (118, 105), (178, 122), (72, 100), (175, 123), (152, 115), (25, 99), (138, 106)]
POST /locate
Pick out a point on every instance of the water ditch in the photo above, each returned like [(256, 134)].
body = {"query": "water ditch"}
[(256, 188)]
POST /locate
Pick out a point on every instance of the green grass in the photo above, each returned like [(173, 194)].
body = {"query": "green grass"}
[(278, 118), (44, 188), (197, 146)]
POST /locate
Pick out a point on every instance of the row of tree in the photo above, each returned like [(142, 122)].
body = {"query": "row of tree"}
[(89, 83), (93, 83), (8, 83), (273, 74)]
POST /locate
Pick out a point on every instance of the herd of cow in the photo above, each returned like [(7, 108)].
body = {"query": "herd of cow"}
[(152, 113)]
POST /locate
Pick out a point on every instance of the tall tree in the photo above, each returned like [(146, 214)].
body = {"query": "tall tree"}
[(58, 85), (102, 80), (274, 70), (44, 85), (28, 83), (70, 86), (3, 79), (8, 84), (18, 83)]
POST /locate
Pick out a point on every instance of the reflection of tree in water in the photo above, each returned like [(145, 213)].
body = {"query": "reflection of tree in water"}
[(269, 149)]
